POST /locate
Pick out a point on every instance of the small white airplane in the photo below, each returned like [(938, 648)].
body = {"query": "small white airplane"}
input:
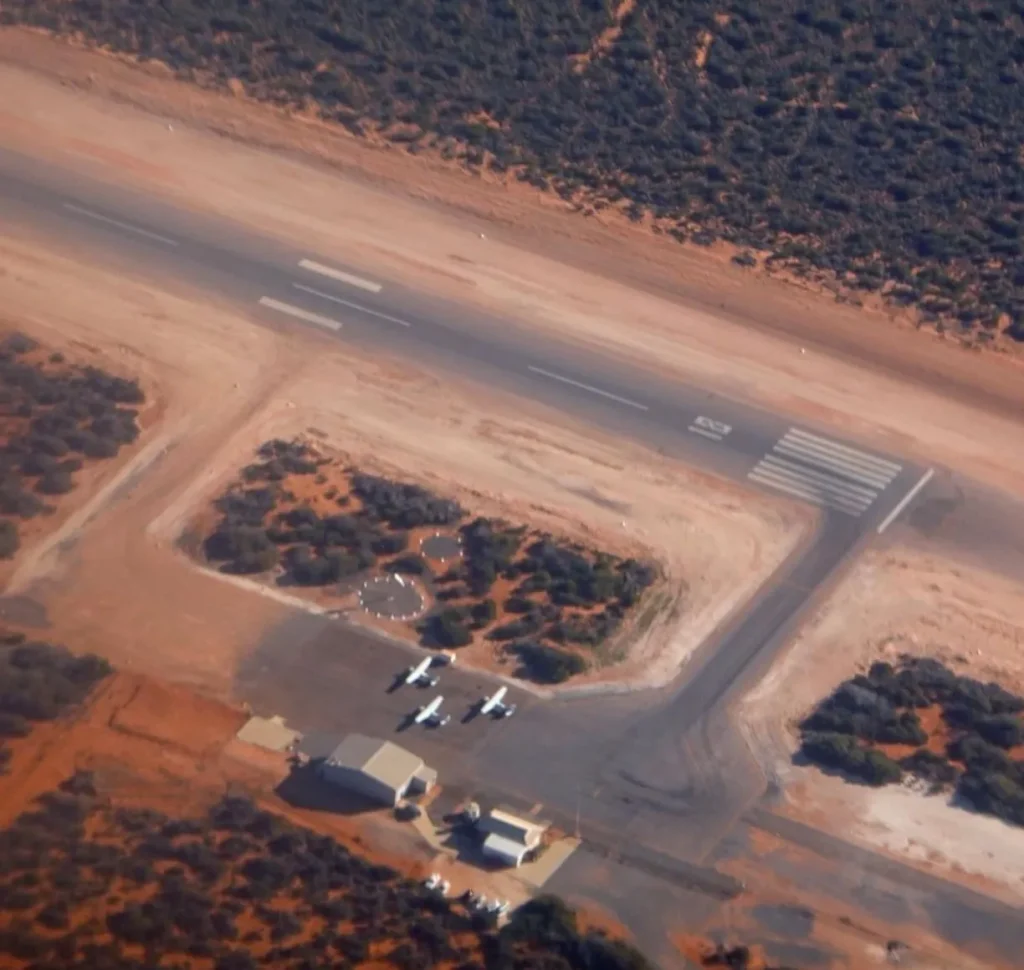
[(418, 674), (495, 704), (430, 714)]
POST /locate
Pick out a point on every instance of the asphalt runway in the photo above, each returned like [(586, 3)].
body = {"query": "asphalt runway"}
[(735, 439), (656, 780)]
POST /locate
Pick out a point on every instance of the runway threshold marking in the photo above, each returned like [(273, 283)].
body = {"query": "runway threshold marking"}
[(340, 276), (906, 500), (588, 387), (117, 224), (299, 313), (352, 306), (825, 472)]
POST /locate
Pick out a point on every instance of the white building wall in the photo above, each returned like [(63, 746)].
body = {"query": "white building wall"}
[(359, 783)]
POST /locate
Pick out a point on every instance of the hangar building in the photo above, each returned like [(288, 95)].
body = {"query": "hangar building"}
[(508, 838), (376, 769)]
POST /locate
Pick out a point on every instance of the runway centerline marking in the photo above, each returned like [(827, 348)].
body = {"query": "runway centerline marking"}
[(906, 500), (588, 387), (341, 276), (127, 227), (352, 306), (299, 313)]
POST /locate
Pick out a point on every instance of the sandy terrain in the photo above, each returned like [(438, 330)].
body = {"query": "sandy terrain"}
[(900, 600), (423, 224), (206, 385), (227, 386)]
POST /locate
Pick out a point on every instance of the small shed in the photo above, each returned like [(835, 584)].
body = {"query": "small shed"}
[(377, 769), (506, 851), (508, 838)]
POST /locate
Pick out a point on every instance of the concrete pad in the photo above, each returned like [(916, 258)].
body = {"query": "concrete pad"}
[(425, 827), (268, 732), (539, 872)]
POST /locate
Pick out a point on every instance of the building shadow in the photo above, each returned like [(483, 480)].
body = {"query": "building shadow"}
[(304, 788), (466, 842)]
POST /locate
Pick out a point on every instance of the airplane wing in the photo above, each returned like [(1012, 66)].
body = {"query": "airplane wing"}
[(490, 703)]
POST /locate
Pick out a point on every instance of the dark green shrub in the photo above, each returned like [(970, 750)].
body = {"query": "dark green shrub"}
[(547, 664)]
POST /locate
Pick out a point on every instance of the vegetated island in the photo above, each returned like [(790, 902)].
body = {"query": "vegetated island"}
[(872, 147), (304, 520), (54, 418), (919, 718)]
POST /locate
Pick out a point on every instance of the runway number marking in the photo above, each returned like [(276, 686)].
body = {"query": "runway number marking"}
[(709, 428), (127, 227), (340, 276)]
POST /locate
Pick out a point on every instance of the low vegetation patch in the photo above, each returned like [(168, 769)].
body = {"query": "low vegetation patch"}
[(54, 418), (305, 520), (921, 719), (38, 682), (90, 884)]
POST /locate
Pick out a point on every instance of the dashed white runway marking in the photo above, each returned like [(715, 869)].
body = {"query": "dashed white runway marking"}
[(825, 472), (299, 313), (352, 306), (588, 387), (117, 224), (340, 276)]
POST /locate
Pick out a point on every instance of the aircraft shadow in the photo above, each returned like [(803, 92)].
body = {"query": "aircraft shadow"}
[(407, 722), (472, 714), (399, 682)]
